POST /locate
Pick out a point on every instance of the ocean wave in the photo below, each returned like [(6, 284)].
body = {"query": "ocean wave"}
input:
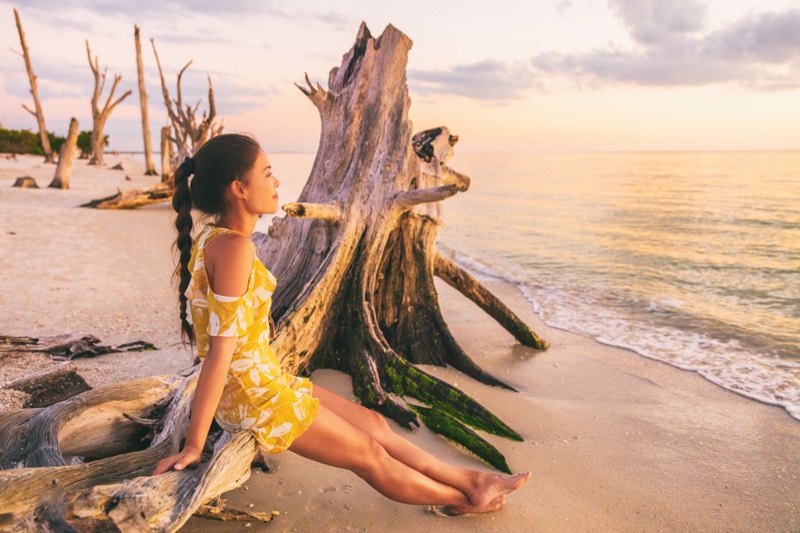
[(722, 361)]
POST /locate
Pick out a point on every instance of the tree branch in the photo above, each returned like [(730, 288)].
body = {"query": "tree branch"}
[(408, 199), (330, 212)]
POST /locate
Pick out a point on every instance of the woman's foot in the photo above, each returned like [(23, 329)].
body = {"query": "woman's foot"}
[(490, 494)]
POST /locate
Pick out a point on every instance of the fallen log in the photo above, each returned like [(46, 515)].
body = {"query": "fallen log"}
[(161, 192), (67, 346), (50, 385)]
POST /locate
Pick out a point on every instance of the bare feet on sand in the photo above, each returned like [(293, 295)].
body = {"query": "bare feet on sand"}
[(490, 495)]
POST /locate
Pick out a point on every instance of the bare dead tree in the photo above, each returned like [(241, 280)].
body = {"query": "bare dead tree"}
[(189, 133), (38, 113), (150, 167), (100, 116), (65, 157)]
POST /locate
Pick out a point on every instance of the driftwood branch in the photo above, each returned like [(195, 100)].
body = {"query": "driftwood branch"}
[(408, 199), (330, 212)]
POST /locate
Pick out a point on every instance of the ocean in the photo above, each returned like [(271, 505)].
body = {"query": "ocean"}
[(689, 258)]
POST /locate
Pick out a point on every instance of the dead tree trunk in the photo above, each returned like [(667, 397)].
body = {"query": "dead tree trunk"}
[(189, 134), (65, 158), (166, 155), (356, 257), (100, 116), (38, 113), (150, 167)]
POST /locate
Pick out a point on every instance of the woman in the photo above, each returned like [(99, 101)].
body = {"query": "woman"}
[(241, 383)]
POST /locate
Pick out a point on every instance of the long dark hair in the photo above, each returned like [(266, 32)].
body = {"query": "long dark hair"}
[(221, 160)]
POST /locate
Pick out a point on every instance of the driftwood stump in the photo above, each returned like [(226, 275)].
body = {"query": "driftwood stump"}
[(356, 257), (65, 158), (26, 182)]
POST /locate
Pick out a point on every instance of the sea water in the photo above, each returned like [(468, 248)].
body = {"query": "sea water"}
[(688, 258)]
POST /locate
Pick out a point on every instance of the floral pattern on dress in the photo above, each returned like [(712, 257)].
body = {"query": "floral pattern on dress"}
[(258, 396)]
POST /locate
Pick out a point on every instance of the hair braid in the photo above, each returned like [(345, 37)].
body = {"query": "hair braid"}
[(218, 162), (182, 204)]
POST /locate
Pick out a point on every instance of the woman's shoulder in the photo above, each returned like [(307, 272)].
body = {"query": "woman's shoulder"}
[(229, 263)]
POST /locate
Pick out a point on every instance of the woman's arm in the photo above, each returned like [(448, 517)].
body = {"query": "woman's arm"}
[(229, 262), (206, 398)]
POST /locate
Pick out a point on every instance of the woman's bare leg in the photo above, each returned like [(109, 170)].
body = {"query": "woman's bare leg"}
[(482, 488), (334, 441)]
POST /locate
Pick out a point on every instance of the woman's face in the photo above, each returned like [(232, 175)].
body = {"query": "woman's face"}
[(261, 187)]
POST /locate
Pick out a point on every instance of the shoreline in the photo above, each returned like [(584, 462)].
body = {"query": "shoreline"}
[(616, 442)]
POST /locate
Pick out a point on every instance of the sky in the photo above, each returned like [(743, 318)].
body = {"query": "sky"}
[(505, 75)]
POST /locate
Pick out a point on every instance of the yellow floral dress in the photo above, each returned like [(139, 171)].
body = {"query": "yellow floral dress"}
[(259, 396)]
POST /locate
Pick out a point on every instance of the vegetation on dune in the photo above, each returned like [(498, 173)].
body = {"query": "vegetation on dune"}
[(27, 142)]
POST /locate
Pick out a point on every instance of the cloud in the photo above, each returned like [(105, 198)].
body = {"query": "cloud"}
[(490, 80), (760, 51), (54, 78), (659, 21), (183, 13)]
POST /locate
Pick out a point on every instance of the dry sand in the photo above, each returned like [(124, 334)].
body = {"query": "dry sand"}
[(616, 442)]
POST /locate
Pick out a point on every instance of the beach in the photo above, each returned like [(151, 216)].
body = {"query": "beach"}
[(615, 441)]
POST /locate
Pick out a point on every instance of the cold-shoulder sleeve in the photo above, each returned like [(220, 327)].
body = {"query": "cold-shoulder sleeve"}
[(229, 316)]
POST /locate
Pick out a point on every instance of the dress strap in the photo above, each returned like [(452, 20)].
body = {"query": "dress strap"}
[(213, 232)]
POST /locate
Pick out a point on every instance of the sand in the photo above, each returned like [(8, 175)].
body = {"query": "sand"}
[(616, 442)]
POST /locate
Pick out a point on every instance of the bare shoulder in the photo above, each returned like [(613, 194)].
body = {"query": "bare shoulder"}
[(229, 262)]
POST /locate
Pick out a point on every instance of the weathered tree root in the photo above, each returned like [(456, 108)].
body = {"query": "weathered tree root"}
[(467, 285)]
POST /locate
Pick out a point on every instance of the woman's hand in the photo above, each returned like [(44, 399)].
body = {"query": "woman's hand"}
[(189, 456)]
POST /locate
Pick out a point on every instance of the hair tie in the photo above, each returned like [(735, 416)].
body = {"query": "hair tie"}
[(188, 165)]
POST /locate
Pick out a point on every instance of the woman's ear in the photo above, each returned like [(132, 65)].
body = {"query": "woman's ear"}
[(236, 189)]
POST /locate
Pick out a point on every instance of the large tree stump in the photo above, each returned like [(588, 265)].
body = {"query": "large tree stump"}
[(355, 260)]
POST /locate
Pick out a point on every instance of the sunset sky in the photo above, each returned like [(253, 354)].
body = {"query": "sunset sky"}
[(505, 75)]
